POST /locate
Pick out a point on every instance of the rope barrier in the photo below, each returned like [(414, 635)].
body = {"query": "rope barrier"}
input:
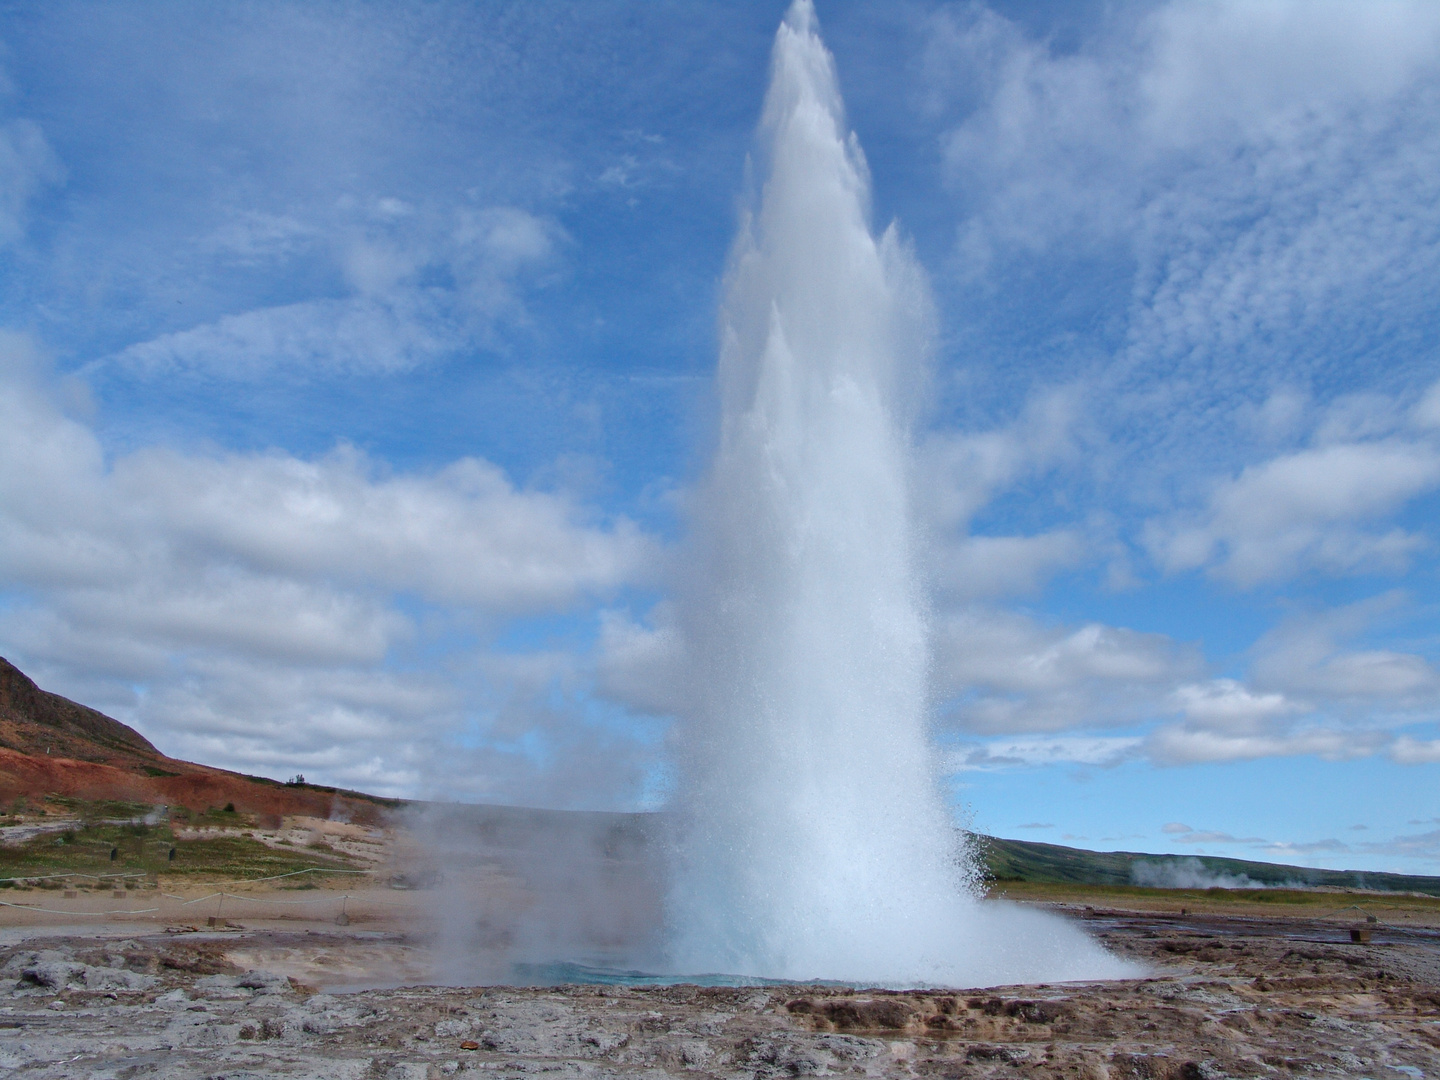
[(197, 900), (294, 873), (1354, 907), (183, 903), (376, 900), (269, 900), (62, 911), (77, 873), (142, 874)]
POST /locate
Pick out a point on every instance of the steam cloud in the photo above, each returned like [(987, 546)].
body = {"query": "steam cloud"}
[(1191, 873)]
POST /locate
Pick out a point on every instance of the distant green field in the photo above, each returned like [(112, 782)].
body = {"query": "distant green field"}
[(97, 845), (1309, 902), (1024, 860)]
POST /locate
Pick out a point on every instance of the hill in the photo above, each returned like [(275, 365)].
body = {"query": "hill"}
[(50, 745), (38, 723), (1026, 860)]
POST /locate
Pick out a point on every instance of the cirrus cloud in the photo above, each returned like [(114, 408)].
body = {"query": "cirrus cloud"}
[(421, 286)]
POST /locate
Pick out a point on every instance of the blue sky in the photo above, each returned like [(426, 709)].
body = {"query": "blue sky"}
[(357, 359)]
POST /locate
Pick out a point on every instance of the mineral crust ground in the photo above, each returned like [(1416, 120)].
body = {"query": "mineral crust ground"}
[(1229, 994)]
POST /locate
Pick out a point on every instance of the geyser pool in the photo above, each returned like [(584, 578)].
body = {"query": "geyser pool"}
[(813, 841)]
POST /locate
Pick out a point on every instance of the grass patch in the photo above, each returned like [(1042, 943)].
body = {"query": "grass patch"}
[(243, 857), (95, 845), (1307, 901), (98, 810)]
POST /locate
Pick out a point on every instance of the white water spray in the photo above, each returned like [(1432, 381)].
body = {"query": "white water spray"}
[(815, 843)]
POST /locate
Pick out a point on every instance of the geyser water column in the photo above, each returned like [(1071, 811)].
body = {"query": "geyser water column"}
[(814, 843)]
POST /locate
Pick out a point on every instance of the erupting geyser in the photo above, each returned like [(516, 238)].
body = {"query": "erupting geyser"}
[(814, 842)]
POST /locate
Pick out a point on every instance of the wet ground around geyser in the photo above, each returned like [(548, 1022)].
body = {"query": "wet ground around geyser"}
[(1228, 996)]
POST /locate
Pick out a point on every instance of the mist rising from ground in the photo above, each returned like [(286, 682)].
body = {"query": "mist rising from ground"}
[(1190, 873), (521, 895)]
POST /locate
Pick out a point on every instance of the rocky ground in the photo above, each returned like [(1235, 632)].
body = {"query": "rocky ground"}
[(1228, 997)]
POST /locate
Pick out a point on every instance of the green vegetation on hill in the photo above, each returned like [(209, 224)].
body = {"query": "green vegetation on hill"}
[(130, 839), (1026, 860)]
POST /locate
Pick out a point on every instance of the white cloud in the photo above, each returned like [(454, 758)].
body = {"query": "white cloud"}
[(1305, 510), (462, 536), (27, 167), (1426, 413), (1002, 672), (494, 249), (255, 611), (961, 472), (422, 287), (357, 335), (1097, 750), (1408, 750), (643, 667), (1008, 673), (1083, 139), (1260, 185), (1308, 655), (1307, 692), (1010, 651), (212, 608), (1229, 706), (1416, 845), (993, 566), (1297, 851), (259, 237), (1268, 174), (1285, 849), (1008, 677), (1375, 673), (1251, 68), (1174, 745), (1209, 836)]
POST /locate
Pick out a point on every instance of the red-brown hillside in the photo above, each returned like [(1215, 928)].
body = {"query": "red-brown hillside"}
[(49, 745)]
